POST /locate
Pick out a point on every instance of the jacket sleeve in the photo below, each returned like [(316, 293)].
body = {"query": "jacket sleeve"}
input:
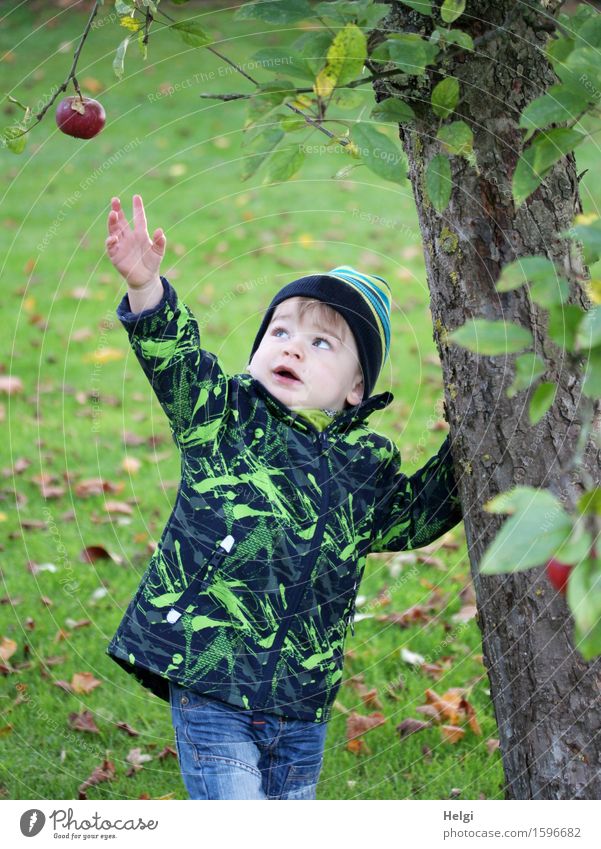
[(188, 381), (414, 511)]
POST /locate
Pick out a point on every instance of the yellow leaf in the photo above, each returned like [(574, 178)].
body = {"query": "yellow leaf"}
[(29, 304), (306, 240), (3, 517), (344, 60), (104, 355), (451, 734), (594, 289), (586, 218), (131, 23)]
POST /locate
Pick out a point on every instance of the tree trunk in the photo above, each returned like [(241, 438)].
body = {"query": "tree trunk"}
[(547, 700)]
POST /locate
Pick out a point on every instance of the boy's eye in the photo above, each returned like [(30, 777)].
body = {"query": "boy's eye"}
[(321, 339), (277, 330)]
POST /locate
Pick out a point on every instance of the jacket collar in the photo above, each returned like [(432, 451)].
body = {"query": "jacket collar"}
[(343, 421)]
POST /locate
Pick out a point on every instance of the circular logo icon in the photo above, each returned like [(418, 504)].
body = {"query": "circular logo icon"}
[(32, 822)]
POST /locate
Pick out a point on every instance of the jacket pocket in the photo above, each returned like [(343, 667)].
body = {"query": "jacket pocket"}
[(201, 580)]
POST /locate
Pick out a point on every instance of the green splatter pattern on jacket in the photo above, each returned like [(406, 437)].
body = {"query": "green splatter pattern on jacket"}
[(250, 590)]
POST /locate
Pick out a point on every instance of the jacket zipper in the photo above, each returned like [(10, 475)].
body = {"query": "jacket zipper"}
[(191, 591), (295, 600)]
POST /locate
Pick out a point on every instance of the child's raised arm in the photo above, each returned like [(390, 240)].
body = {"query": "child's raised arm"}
[(414, 511), (135, 255), (188, 380)]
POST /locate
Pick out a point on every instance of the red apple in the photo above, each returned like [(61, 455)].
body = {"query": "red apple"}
[(82, 118), (558, 574)]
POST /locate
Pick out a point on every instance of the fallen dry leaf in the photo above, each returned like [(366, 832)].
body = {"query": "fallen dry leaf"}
[(106, 772), (412, 726), (492, 745), (10, 384), (128, 729), (96, 486), (84, 682), (120, 507), (7, 648), (451, 734), (83, 721), (357, 724)]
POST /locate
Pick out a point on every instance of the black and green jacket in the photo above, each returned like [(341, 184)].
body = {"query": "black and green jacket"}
[(249, 592)]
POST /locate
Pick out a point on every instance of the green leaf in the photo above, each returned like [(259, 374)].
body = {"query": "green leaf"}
[(559, 105), (348, 98), (528, 367), (423, 6), (365, 13), (589, 235), (590, 502), (542, 398), (191, 33), (546, 287), (444, 37), (123, 8), (278, 60), (119, 60), (312, 48), (445, 97), (344, 61), (457, 138), (275, 11), (393, 110), (283, 163), (438, 182), (292, 124), (267, 97), (491, 338), (564, 321), (592, 379), (580, 71), (584, 600), (589, 329), (537, 527), (451, 10), (379, 153), (258, 149), (409, 51), (536, 162), (13, 138)]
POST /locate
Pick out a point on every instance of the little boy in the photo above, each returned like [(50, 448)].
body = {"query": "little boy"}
[(240, 618)]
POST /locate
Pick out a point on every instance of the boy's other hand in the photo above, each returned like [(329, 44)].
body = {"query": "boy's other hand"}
[(135, 256)]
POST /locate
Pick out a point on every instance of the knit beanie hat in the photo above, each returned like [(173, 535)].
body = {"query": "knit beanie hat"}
[(364, 302)]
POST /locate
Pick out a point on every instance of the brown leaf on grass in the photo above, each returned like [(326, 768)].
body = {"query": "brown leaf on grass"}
[(411, 726), (46, 600), (357, 724), (54, 660), (7, 648), (20, 465), (492, 745), (74, 624), (132, 439), (96, 486), (119, 507), (61, 634), (167, 752), (467, 612), (136, 758), (128, 729), (32, 524), (106, 772), (434, 670), (358, 746), (64, 685), (370, 698), (83, 721), (469, 711), (428, 710), (98, 552), (408, 617), (447, 705), (10, 384), (131, 465), (451, 733), (84, 682), (5, 729)]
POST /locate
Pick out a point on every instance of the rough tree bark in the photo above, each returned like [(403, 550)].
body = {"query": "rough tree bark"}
[(547, 700)]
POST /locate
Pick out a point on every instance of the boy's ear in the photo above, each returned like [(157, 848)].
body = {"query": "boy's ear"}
[(355, 396)]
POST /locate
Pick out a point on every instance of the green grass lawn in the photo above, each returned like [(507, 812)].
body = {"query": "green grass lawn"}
[(231, 246)]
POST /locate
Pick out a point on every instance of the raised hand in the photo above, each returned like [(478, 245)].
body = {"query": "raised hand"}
[(135, 256)]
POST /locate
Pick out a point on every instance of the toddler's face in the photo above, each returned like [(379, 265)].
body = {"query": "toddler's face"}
[(305, 365)]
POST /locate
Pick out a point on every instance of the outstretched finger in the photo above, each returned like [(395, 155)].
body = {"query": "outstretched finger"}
[(121, 220), (159, 241), (140, 225)]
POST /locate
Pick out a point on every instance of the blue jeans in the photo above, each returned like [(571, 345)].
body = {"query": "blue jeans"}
[(226, 752)]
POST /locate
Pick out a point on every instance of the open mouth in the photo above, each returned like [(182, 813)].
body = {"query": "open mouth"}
[(287, 375)]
